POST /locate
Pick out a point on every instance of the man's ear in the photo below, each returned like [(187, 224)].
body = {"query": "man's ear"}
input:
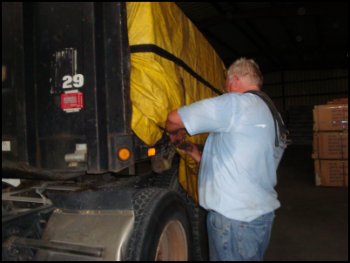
[(230, 83)]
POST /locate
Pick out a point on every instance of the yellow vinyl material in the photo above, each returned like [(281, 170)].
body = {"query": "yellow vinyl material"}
[(160, 85)]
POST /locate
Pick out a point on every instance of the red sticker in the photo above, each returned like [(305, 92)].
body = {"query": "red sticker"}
[(72, 102)]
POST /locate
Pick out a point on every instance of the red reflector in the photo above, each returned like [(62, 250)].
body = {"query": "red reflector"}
[(71, 102)]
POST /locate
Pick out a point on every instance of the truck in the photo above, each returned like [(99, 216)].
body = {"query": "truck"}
[(88, 172)]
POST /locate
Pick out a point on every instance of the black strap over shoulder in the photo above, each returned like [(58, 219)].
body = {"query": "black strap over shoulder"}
[(275, 114)]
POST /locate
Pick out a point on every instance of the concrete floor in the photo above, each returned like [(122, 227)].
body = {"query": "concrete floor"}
[(312, 222)]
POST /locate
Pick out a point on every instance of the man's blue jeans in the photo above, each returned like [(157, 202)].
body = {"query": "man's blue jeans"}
[(236, 240)]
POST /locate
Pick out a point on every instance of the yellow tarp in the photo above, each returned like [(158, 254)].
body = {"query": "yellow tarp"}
[(158, 85)]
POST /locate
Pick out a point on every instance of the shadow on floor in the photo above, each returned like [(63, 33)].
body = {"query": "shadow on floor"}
[(312, 222)]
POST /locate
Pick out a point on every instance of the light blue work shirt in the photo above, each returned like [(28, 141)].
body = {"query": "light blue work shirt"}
[(237, 172)]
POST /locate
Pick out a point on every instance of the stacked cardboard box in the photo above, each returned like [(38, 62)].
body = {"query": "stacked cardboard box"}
[(330, 143)]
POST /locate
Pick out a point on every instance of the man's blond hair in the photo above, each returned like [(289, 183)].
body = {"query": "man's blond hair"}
[(248, 69)]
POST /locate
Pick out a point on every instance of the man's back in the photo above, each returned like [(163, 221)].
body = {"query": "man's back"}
[(237, 173)]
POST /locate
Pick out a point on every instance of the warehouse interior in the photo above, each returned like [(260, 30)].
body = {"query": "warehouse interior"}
[(302, 50)]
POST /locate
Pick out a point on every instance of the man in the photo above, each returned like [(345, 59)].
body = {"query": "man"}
[(237, 171)]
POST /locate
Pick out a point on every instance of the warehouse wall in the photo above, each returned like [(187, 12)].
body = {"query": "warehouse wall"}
[(305, 88), (296, 92)]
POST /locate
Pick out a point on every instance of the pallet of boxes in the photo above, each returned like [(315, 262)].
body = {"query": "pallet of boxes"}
[(330, 143)]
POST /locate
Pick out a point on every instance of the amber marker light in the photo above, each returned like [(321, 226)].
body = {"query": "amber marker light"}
[(124, 154), (151, 152)]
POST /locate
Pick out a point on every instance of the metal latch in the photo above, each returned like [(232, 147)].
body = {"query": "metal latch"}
[(79, 156), (164, 161)]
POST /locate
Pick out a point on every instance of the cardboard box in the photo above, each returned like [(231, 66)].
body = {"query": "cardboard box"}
[(331, 172), (339, 101), (330, 117), (330, 145)]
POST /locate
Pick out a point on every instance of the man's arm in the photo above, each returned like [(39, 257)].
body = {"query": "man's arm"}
[(173, 122), (175, 127)]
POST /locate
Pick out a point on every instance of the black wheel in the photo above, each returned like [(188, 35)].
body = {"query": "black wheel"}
[(169, 180), (161, 229)]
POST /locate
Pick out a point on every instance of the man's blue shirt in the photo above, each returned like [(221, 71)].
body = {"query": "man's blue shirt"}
[(237, 172)]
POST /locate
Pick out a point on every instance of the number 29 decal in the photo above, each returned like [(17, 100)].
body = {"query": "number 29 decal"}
[(76, 81)]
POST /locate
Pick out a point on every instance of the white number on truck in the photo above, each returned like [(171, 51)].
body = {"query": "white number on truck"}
[(76, 81)]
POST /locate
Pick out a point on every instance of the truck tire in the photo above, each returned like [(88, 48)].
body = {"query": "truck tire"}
[(162, 230), (169, 180)]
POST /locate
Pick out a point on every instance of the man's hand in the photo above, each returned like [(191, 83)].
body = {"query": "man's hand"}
[(190, 149), (177, 137), (175, 128), (177, 134)]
